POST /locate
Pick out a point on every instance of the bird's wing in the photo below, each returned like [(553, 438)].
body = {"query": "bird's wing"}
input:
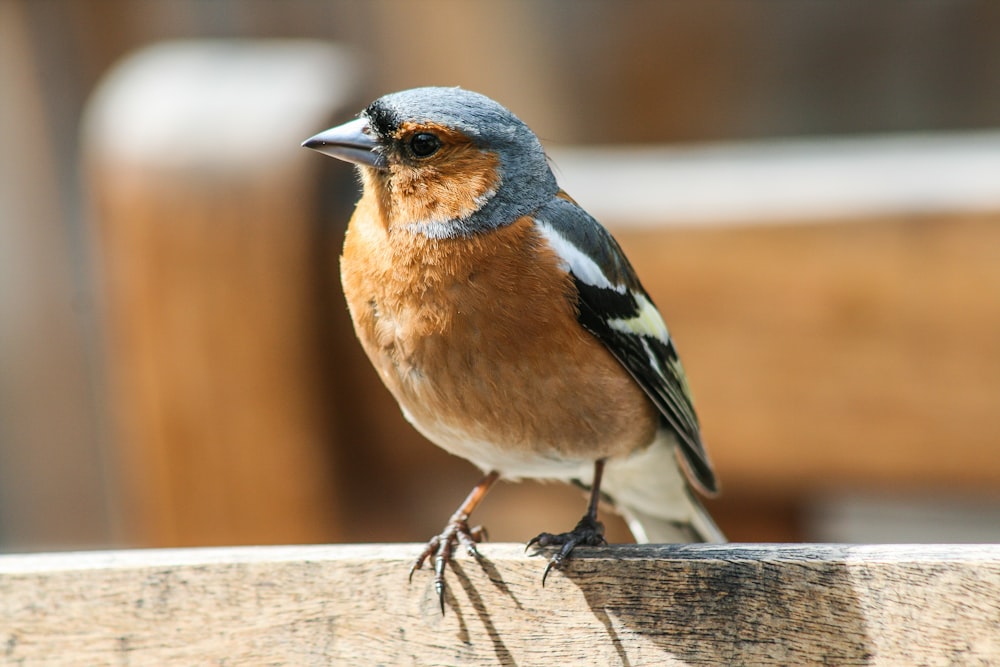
[(614, 307)]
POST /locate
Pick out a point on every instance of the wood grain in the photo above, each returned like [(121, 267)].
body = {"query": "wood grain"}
[(621, 605)]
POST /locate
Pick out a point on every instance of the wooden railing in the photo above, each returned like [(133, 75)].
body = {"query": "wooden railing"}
[(738, 604)]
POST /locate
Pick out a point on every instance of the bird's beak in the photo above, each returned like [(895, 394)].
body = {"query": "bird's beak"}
[(350, 142)]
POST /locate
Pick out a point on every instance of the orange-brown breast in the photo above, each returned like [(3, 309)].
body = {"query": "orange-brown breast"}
[(477, 338)]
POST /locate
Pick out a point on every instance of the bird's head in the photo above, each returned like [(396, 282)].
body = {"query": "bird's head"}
[(444, 162)]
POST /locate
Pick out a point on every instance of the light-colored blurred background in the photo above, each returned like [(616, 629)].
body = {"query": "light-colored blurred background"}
[(810, 191)]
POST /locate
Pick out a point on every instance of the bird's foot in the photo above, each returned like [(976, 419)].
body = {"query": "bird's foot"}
[(589, 532), (456, 532)]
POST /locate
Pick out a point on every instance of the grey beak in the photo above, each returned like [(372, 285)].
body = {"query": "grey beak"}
[(349, 142)]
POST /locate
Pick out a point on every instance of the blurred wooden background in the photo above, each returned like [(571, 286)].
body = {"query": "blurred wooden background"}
[(177, 365)]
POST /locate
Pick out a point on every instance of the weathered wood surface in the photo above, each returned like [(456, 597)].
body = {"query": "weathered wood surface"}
[(623, 605)]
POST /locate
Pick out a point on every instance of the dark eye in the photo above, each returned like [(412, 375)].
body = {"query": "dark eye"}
[(424, 144)]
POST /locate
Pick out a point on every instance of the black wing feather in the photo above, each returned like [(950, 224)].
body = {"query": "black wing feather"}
[(653, 363)]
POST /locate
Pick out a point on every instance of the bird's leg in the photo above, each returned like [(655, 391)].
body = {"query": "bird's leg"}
[(455, 532), (589, 531)]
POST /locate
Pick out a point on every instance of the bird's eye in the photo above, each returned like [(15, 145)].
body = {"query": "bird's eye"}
[(424, 144)]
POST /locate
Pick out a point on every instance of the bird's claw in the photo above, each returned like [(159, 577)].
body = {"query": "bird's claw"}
[(442, 546), (589, 532)]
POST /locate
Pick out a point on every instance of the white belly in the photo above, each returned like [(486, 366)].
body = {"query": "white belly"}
[(511, 462)]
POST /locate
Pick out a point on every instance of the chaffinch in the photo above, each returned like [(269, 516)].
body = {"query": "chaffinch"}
[(509, 325)]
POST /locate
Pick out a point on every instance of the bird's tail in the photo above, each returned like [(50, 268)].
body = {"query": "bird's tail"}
[(647, 528), (650, 490)]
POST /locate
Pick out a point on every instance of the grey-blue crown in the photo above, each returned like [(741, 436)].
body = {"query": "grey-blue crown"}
[(474, 114)]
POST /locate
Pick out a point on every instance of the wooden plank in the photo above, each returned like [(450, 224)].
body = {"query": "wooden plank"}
[(877, 343), (622, 605)]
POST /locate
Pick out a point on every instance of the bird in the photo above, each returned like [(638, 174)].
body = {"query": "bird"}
[(509, 325)]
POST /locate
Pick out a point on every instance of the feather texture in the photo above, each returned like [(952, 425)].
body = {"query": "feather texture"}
[(614, 307)]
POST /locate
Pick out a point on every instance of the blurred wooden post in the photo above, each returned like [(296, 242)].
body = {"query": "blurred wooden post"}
[(740, 604), (205, 211)]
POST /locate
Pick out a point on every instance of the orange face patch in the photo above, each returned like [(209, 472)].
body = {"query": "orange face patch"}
[(452, 183)]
